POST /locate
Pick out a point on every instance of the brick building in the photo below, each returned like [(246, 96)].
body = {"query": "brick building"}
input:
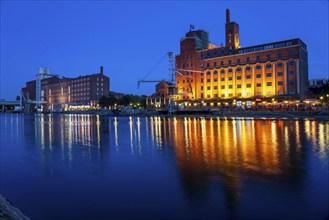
[(266, 71), (64, 93)]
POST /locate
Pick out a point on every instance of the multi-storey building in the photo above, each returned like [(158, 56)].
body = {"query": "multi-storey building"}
[(70, 93), (265, 71)]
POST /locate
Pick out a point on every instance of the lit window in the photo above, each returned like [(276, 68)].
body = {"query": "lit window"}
[(269, 83)]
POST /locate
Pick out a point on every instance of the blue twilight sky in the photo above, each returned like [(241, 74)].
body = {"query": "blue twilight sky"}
[(128, 38)]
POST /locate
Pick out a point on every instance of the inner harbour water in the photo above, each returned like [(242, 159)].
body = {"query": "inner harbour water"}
[(61, 166)]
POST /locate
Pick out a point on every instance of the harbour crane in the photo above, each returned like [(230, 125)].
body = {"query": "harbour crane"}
[(42, 73), (172, 82)]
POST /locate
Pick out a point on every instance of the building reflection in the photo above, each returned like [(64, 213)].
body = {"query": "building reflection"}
[(83, 134), (229, 151)]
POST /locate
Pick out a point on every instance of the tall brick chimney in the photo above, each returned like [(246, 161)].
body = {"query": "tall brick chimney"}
[(228, 16), (101, 70)]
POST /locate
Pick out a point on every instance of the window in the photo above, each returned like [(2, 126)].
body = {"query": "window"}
[(229, 61), (258, 75), (230, 78), (230, 95), (291, 63), (202, 74), (268, 74), (215, 79), (222, 87), (223, 95), (208, 80), (280, 74), (215, 87), (208, 64), (238, 60), (238, 86), (201, 95), (268, 56), (215, 64), (258, 85), (258, 67), (248, 68), (291, 82), (222, 79), (215, 72), (280, 83), (291, 53), (248, 76), (291, 72), (208, 87), (201, 80), (229, 70), (222, 63), (238, 69), (238, 77), (230, 86), (279, 64), (268, 66), (222, 71), (248, 59), (257, 58), (269, 83), (208, 73), (279, 55), (215, 95), (248, 85)]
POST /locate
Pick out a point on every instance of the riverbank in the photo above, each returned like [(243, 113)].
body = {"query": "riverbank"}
[(323, 114), (217, 113), (9, 212)]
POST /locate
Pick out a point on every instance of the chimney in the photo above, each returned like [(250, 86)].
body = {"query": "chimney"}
[(101, 70), (228, 15)]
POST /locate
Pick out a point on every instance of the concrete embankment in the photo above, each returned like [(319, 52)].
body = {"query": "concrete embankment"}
[(9, 212)]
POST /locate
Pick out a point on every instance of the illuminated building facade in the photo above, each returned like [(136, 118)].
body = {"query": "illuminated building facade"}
[(266, 71), (70, 93)]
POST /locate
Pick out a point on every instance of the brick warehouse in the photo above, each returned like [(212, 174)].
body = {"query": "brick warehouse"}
[(266, 71), (70, 93)]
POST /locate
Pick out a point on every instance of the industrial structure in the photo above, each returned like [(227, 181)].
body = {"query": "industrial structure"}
[(217, 75), (51, 93)]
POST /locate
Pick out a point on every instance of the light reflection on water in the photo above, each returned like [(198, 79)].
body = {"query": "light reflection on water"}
[(229, 151)]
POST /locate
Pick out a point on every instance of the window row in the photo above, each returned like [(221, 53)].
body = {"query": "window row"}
[(239, 86)]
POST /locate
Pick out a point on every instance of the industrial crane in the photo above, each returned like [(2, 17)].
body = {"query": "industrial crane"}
[(42, 73), (172, 82)]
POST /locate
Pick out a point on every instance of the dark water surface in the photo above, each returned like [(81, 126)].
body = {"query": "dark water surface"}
[(92, 167)]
